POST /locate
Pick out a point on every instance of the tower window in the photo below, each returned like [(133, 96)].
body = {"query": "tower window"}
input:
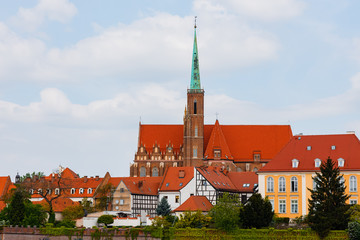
[(196, 131), (195, 152), (195, 107)]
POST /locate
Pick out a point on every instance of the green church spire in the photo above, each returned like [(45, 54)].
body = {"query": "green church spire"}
[(195, 72)]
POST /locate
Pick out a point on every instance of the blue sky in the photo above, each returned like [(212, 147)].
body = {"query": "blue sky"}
[(76, 76)]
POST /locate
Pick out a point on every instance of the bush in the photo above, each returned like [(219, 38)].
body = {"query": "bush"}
[(354, 230), (65, 223), (106, 219)]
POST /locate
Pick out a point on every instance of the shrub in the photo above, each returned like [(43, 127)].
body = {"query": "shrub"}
[(354, 230), (106, 219)]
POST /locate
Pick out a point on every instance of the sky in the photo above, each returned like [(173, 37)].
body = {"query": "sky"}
[(76, 77)]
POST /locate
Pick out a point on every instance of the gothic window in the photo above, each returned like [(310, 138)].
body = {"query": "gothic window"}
[(195, 152), (195, 107), (294, 184), (155, 172), (282, 186), (196, 131), (142, 172), (353, 184), (270, 184)]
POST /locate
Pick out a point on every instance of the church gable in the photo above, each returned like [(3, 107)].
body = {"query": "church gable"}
[(217, 147)]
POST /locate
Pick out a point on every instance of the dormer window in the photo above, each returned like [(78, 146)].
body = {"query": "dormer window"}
[(308, 148), (72, 191), (57, 191), (81, 190), (333, 147), (295, 163), (89, 191), (341, 162), (256, 156), (317, 162), (217, 153)]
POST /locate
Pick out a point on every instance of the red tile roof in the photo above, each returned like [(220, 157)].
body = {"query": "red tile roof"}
[(2, 205), (68, 173), (142, 185), (244, 181), (195, 203), (217, 178), (58, 204), (347, 147), (5, 183), (176, 178), (242, 140), (217, 141)]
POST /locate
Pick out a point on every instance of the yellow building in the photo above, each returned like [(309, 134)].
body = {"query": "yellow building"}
[(286, 179)]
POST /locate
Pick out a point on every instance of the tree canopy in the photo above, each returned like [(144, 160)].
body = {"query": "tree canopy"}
[(163, 208), (327, 205), (257, 212)]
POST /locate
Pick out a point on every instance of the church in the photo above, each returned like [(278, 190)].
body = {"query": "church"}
[(193, 143)]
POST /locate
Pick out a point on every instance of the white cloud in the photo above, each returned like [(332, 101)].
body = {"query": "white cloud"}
[(31, 19)]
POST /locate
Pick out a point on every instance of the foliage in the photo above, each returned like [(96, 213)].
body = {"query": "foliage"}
[(354, 230), (257, 212), (163, 208), (35, 215), (226, 212), (354, 212), (87, 206), (32, 175), (73, 212), (106, 219), (16, 209), (327, 207), (193, 219), (161, 222), (65, 223), (104, 196)]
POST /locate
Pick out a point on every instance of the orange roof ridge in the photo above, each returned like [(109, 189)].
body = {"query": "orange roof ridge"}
[(217, 141), (195, 203)]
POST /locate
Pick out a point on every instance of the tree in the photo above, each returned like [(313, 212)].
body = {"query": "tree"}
[(163, 208), (327, 207), (16, 210), (106, 219), (257, 212), (104, 196), (193, 220), (226, 212), (73, 212)]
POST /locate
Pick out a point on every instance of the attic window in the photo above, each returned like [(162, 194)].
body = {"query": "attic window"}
[(167, 184), (246, 185), (308, 148), (81, 190), (217, 153), (295, 163), (341, 162), (72, 191), (180, 184), (204, 182), (256, 157), (333, 147), (317, 162)]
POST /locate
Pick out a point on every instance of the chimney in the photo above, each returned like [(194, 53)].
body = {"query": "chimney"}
[(140, 184), (97, 178), (85, 179), (181, 173)]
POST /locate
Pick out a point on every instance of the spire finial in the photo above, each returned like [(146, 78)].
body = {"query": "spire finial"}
[(195, 22), (217, 115)]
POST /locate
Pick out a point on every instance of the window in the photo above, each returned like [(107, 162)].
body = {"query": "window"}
[(72, 191), (247, 167), (342, 180), (295, 163), (353, 184), (270, 184), (195, 107), (333, 147), (31, 191), (282, 206), (155, 172), (81, 190), (341, 162), (317, 162), (294, 206), (256, 157), (195, 152), (142, 172), (89, 190), (48, 191), (255, 169), (204, 182), (117, 201), (308, 148), (121, 189), (40, 191), (238, 169), (353, 201), (122, 201), (217, 153), (294, 184), (314, 184), (57, 191), (177, 198), (196, 131), (272, 204), (282, 186)]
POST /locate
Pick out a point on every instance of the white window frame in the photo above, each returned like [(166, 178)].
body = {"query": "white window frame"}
[(81, 191), (272, 204), (270, 184), (353, 201), (295, 163), (72, 191), (341, 162), (294, 184), (57, 191), (282, 184), (317, 162), (122, 202), (353, 184), (89, 191), (282, 206), (294, 206)]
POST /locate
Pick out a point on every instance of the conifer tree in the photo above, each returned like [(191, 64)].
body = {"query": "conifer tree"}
[(327, 207), (257, 212), (163, 208)]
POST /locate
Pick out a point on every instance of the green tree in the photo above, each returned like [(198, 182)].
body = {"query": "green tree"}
[(327, 207), (226, 212), (104, 196), (35, 214), (257, 212), (73, 212), (106, 219), (163, 208), (16, 209), (193, 220)]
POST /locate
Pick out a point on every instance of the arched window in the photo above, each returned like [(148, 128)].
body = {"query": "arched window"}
[(282, 185), (57, 191), (196, 131), (81, 190), (72, 191), (195, 107), (341, 162), (155, 172), (142, 172), (317, 162), (89, 190), (294, 184), (270, 184), (353, 184)]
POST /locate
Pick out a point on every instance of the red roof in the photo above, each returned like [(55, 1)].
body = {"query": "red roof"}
[(195, 203), (244, 181), (217, 178), (58, 204), (68, 173), (308, 148), (217, 141), (142, 185), (2, 205), (242, 140), (176, 178), (5, 183)]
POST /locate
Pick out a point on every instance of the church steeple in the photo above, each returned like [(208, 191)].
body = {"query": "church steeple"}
[(195, 72)]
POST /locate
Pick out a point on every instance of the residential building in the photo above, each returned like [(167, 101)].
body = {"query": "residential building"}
[(193, 204)]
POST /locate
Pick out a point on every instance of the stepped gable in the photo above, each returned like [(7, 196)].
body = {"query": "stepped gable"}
[(175, 178), (142, 185), (244, 140), (217, 141), (308, 148), (244, 181), (218, 178), (195, 203), (161, 135)]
